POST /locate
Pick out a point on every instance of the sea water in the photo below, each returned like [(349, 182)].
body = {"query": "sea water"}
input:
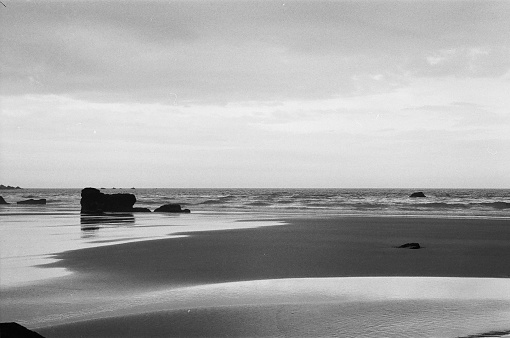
[(438, 202)]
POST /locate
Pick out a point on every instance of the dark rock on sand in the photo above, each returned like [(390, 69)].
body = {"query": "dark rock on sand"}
[(14, 330), (418, 194), (2, 201), (95, 202), (409, 246), (172, 208), (32, 201)]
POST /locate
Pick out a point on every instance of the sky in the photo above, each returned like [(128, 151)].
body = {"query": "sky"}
[(274, 94)]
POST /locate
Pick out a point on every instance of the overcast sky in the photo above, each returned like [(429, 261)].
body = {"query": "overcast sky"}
[(255, 94)]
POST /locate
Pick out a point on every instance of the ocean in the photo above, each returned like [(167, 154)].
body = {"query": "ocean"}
[(490, 203)]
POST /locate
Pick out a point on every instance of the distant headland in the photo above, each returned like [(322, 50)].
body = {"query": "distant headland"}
[(8, 187)]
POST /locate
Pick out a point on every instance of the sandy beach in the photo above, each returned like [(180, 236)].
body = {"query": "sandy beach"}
[(307, 277)]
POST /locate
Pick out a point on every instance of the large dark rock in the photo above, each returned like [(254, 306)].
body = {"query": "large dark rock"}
[(418, 194), (32, 201), (2, 201), (14, 330), (94, 201), (409, 246), (172, 208)]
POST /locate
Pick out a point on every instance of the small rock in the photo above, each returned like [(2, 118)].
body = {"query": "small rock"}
[(172, 207), (2, 201), (410, 246)]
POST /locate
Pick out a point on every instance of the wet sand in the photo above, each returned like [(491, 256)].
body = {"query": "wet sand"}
[(339, 247), (111, 285)]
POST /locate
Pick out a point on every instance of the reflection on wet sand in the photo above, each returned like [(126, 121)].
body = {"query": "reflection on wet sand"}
[(92, 223)]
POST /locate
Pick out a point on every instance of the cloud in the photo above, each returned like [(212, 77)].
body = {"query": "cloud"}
[(222, 52), (243, 93)]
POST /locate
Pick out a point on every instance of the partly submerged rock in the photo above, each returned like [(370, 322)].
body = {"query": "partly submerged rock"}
[(2, 201), (417, 194), (32, 201), (15, 330), (94, 201), (409, 246), (172, 207)]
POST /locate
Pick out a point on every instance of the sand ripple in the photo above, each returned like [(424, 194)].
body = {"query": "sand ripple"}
[(311, 307)]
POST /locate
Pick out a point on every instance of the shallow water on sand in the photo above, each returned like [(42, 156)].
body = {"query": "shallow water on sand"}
[(30, 239)]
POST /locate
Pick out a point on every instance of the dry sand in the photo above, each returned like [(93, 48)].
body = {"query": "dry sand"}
[(110, 282)]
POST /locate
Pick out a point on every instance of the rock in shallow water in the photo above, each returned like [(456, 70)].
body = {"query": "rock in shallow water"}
[(418, 194), (93, 201), (172, 208)]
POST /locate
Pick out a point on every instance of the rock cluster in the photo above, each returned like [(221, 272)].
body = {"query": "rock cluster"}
[(94, 201), (8, 187)]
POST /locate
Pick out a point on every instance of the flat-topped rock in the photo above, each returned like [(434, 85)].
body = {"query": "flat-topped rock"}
[(33, 201), (172, 207), (94, 201)]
